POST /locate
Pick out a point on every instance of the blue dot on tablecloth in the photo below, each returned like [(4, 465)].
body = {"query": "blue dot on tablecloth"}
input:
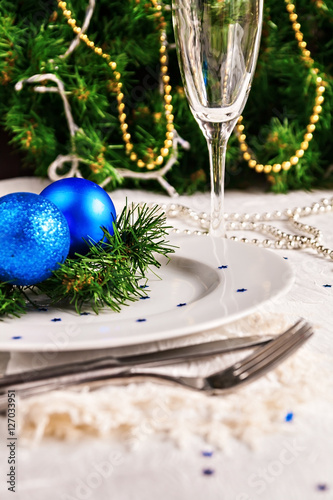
[(289, 416), (207, 453)]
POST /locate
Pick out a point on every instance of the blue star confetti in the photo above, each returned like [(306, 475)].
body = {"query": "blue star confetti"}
[(16, 338), (327, 286), (55, 320), (141, 320), (223, 267), (145, 298), (182, 304), (42, 309), (84, 314), (241, 289), (144, 286)]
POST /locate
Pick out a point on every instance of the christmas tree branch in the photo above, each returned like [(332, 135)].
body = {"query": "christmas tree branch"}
[(12, 301), (110, 274)]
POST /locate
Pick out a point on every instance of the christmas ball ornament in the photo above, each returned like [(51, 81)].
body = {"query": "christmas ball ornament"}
[(34, 238), (87, 208)]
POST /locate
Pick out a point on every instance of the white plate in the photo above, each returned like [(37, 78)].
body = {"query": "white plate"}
[(207, 283)]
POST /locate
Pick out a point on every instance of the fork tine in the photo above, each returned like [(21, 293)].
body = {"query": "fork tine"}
[(259, 354), (276, 356)]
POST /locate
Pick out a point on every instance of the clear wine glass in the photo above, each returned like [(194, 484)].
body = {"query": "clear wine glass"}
[(217, 45)]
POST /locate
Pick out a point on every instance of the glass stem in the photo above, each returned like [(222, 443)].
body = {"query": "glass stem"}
[(217, 140)]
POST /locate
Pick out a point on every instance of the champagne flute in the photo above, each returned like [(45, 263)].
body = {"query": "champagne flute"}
[(217, 46)]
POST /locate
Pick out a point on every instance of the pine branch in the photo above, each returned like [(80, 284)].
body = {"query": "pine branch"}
[(110, 274), (12, 301)]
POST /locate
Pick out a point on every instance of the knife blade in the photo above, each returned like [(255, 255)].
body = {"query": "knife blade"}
[(154, 358)]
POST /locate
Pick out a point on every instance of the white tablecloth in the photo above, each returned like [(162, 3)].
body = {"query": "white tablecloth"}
[(290, 459)]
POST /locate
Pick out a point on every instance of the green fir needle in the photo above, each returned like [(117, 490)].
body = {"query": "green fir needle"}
[(110, 273)]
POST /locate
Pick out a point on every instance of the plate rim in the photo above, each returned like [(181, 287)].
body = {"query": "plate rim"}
[(142, 338)]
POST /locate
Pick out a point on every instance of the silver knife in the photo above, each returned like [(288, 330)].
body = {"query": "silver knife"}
[(81, 369)]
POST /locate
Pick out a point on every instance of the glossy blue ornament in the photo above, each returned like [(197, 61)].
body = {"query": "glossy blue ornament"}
[(34, 238), (87, 208)]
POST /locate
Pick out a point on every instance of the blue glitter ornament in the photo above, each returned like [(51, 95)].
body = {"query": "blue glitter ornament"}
[(34, 238), (87, 208)]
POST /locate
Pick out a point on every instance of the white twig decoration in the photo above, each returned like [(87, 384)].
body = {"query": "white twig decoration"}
[(85, 26), (72, 127), (158, 175), (75, 160), (72, 157), (60, 89), (74, 171)]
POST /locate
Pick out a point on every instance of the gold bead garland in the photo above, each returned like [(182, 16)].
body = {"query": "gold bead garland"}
[(164, 151), (317, 108)]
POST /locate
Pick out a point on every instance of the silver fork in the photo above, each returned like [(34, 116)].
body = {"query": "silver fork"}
[(259, 362)]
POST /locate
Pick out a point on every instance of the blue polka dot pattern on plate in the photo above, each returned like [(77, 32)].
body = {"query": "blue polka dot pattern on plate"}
[(241, 290), (208, 472), (322, 487)]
